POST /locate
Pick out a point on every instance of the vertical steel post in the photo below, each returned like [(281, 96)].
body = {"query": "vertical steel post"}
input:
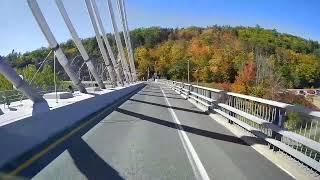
[(100, 43), (116, 66), (188, 70), (54, 76), (79, 44), (119, 43), (36, 11)]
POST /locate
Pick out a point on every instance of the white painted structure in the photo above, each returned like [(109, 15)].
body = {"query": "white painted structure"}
[(79, 44), (121, 53), (36, 11), (103, 51), (124, 21), (29, 130), (116, 65), (18, 82)]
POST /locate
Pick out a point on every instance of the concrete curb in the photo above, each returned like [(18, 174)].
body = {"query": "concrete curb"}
[(22, 136)]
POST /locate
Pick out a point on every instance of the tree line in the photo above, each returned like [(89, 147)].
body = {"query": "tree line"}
[(249, 60)]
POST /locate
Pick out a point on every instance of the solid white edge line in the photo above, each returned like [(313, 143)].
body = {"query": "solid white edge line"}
[(189, 147), (279, 166)]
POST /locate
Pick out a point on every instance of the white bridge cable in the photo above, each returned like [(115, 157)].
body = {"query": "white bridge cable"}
[(36, 11), (126, 34), (36, 73), (41, 65), (119, 43), (129, 39), (54, 76), (116, 66), (78, 43), (100, 43), (10, 74)]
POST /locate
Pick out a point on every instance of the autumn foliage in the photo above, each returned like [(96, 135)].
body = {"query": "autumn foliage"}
[(254, 61), (245, 79)]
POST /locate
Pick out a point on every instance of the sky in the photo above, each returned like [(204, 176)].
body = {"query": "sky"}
[(19, 30)]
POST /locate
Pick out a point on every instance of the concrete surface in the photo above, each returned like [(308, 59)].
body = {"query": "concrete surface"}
[(58, 95), (141, 140), (25, 134)]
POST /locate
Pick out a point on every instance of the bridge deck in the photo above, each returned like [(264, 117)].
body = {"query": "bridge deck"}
[(141, 140)]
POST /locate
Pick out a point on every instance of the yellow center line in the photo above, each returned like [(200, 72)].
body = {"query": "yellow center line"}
[(59, 141), (50, 147)]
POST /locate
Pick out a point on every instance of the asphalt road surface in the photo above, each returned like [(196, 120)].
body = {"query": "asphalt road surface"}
[(155, 134)]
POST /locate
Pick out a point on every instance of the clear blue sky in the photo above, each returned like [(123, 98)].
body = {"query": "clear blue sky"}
[(19, 31)]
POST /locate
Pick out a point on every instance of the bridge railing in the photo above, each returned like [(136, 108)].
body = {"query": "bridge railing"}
[(290, 128), (10, 96)]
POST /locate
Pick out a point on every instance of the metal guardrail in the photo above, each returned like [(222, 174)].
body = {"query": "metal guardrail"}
[(10, 96), (290, 128)]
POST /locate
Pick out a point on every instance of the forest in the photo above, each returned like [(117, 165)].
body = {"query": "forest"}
[(249, 60)]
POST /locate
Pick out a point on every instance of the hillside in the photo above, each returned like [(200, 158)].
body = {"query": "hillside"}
[(249, 60)]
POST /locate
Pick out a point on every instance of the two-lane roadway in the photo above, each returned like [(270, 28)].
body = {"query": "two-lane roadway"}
[(155, 134)]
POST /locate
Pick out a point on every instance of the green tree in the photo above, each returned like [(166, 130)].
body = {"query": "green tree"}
[(144, 62), (5, 84), (43, 79)]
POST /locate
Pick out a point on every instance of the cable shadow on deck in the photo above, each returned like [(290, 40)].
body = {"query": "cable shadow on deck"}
[(165, 106), (200, 132), (158, 92), (90, 163), (42, 161), (159, 96)]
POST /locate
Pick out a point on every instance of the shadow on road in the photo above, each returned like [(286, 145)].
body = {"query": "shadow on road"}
[(173, 107), (89, 163), (85, 158), (201, 132), (157, 92), (159, 96)]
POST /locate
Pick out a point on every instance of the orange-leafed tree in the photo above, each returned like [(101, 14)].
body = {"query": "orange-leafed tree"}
[(200, 54), (246, 78)]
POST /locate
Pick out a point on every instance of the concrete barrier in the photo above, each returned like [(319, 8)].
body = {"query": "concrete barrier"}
[(21, 136)]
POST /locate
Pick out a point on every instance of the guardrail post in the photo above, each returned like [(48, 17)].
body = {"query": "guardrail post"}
[(223, 97), (232, 104), (279, 121), (189, 90), (180, 89), (282, 118)]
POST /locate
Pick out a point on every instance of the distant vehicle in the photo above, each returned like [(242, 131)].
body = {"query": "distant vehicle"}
[(311, 92)]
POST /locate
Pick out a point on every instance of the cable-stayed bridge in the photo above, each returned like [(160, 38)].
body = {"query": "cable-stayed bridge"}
[(122, 128)]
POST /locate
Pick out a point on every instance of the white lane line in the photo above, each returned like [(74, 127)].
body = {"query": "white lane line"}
[(283, 169), (239, 135), (188, 147)]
